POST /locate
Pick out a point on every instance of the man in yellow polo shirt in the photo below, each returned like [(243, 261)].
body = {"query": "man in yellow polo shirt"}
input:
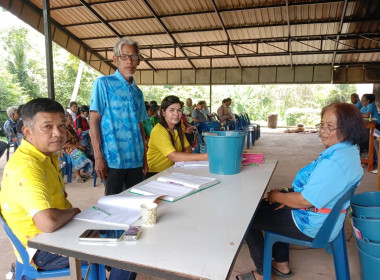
[(33, 196)]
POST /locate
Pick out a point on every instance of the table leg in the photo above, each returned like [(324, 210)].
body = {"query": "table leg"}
[(75, 269), (371, 151), (378, 174), (378, 181)]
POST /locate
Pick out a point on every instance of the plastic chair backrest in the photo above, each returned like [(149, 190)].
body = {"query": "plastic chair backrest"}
[(68, 169), (247, 119), (326, 230), (205, 127), (17, 244), (216, 116), (243, 120)]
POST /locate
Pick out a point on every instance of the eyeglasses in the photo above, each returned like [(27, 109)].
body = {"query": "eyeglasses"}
[(126, 57), (327, 128)]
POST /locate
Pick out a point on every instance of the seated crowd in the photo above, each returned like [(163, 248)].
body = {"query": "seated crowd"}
[(177, 135)]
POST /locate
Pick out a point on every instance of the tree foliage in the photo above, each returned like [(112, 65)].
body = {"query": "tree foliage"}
[(293, 103), (66, 69), (22, 63)]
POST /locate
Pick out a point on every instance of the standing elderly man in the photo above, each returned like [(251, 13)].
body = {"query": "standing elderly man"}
[(117, 111)]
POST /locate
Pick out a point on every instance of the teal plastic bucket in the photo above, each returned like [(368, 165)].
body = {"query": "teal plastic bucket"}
[(369, 228), (366, 205), (371, 248), (369, 265), (225, 151)]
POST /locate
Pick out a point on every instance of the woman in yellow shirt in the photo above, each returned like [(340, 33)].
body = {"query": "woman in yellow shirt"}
[(168, 143)]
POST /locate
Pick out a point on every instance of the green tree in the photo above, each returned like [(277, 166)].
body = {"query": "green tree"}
[(22, 61), (11, 93), (66, 69)]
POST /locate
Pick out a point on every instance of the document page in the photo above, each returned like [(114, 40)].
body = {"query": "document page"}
[(188, 180), (117, 215), (127, 201), (162, 188), (196, 163), (116, 209)]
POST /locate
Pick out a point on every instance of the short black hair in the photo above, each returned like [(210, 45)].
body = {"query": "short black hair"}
[(84, 109), (72, 103), (349, 121), (44, 105), (370, 97), (154, 108), (355, 94)]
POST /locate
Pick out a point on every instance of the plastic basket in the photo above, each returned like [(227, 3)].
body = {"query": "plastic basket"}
[(369, 228), (369, 265), (225, 150), (366, 205), (371, 248)]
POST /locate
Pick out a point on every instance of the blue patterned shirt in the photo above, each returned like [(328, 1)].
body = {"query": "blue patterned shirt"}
[(10, 129), (122, 108), (323, 181)]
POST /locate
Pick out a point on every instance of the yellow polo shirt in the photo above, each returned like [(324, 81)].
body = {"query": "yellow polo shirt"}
[(31, 183), (160, 146)]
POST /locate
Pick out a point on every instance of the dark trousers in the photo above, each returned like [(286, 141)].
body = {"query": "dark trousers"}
[(279, 221), (49, 261), (119, 180), (150, 174)]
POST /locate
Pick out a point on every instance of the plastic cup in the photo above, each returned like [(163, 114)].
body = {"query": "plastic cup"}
[(149, 213)]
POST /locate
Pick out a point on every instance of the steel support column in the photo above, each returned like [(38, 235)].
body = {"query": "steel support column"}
[(48, 49)]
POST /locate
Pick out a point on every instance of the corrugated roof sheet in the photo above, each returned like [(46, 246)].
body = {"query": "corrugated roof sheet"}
[(260, 32)]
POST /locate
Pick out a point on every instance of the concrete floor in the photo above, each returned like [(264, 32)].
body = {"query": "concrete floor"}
[(293, 150)]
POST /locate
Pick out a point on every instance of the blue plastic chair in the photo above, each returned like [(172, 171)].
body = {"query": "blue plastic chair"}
[(201, 142), (207, 126), (337, 247), (256, 125), (95, 177), (28, 272), (243, 126), (10, 145), (68, 169)]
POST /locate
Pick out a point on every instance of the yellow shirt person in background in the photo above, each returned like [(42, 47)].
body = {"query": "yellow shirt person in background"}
[(168, 143), (32, 196)]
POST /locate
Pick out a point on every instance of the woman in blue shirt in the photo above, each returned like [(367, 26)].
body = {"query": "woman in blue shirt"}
[(301, 213), (369, 108)]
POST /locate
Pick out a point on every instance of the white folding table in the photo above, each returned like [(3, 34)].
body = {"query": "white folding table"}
[(197, 237)]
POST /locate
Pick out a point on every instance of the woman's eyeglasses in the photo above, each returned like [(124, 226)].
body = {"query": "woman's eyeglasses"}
[(327, 128)]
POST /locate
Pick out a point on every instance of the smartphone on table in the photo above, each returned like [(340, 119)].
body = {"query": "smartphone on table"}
[(102, 235)]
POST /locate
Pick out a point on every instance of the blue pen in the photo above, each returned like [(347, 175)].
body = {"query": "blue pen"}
[(101, 210)]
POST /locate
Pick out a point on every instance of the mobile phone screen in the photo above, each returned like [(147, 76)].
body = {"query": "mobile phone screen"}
[(102, 235)]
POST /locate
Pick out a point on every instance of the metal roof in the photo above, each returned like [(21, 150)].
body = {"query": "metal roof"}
[(188, 34)]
